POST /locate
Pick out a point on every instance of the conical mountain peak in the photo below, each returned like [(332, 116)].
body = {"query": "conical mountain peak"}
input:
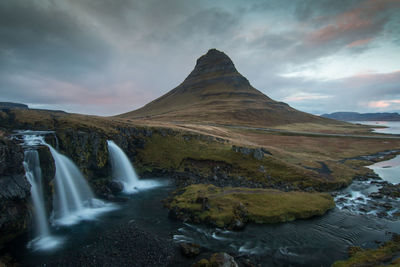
[(216, 93), (213, 63)]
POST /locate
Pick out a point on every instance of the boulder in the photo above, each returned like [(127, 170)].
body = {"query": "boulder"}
[(190, 249)]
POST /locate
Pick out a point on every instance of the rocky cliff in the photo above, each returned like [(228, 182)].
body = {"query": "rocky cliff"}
[(14, 192)]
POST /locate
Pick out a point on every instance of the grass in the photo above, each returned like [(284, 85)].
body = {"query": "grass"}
[(247, 204), (296, 159), (386, 255)]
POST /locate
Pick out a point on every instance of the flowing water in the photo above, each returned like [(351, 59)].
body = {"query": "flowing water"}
[(43, 239), (124, 172), (73, 200)]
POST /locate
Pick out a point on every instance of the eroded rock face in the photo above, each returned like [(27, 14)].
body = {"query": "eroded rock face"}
[(14, 192)]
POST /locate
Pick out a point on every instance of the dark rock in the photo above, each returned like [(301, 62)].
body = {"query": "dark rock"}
[(116, 186), (205, 205), (353, 250), (376, 195), (258, 154), (14, 192), (261, 168), (222, 260), (189, 249), (237, 225)]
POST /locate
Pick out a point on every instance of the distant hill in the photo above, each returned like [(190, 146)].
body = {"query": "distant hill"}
[(354, 116), (215, 92), (8, 105)]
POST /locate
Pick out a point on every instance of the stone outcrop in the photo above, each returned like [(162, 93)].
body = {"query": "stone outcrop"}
[(14, 192)]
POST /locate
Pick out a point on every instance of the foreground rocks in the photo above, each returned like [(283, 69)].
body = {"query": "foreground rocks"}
[(123, 245), (14, 192), (217, 260), (233, 207)]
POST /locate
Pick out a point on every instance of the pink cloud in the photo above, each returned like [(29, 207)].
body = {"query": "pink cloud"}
[(358, 20), (383, 103), (359, 42)]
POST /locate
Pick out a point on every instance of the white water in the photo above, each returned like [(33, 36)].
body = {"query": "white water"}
[(73, 200), (124, 172), (43, 240)]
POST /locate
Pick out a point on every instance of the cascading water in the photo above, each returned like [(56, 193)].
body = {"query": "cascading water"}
[(73, 200), (43, 239), (124, 172)]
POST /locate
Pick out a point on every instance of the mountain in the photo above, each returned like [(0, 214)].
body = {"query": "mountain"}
[(354, 116), (8, 105), (215, 92)]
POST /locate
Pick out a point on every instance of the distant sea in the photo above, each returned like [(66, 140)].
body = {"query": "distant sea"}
[(393, 127)]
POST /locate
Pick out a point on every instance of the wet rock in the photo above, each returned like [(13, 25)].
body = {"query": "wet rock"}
[(205, 205), (258, 154), (390, 190), (14, 192), (261, 168), (190, 250), (222, 260), (376, 195), (237, 225), (353, 250), (116, 187)]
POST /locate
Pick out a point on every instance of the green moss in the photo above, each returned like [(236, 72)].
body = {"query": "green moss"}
[(222, 206), (382, 256), (179, 152)]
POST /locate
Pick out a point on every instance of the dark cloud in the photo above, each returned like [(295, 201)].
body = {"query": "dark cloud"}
[(111, 56)]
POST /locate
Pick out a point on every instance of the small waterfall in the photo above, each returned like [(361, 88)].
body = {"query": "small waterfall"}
[(124, 172), (73, 200)]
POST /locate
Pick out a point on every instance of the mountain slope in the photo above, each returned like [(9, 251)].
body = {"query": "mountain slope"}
[(215, 92)]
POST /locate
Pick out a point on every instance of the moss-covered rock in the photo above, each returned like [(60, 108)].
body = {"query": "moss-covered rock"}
[(385, 255), (231, 206)]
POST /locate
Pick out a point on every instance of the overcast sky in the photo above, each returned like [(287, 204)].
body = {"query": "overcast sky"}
[(111, 56)]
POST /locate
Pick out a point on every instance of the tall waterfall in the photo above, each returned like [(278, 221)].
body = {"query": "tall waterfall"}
[(43, 239), (124, 172)]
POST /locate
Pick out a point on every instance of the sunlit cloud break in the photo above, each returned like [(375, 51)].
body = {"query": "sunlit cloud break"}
[(384, 103)]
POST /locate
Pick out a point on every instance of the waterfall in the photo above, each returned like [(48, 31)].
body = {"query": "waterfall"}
[(43, 240), (34, 175), (124, 172), (73, 200)]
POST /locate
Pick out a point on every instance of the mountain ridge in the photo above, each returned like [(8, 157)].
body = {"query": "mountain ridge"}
[(355, 116)]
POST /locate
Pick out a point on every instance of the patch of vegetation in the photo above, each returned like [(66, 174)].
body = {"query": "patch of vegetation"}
[(232, 207), (385, 255)]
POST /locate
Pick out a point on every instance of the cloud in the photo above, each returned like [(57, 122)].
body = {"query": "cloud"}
[(383, 103), (305, 96), (107, 57), (361, 42)]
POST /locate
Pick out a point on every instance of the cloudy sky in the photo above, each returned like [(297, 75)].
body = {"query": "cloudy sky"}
[(111, 56)]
